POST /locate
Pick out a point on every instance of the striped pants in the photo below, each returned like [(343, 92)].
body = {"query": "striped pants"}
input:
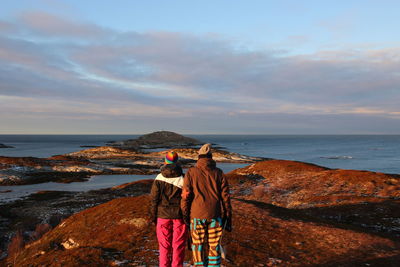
[(206, 235)]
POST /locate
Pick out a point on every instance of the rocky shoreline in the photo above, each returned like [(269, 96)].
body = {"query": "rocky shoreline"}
[(124, 157), (79, 166)]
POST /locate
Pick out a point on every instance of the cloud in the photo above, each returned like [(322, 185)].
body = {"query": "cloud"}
[(50, 26), (55, 67), (5, 27)]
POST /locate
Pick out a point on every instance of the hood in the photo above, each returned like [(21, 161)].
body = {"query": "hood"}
[(171, 170), (206, 163), (176, 181)]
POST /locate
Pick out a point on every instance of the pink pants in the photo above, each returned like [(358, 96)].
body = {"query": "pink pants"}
[(172, 236)]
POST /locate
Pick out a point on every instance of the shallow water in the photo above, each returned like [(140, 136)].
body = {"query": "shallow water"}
[(95, 182), (380, 153)]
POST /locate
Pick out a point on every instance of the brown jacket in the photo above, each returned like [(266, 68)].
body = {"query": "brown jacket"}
[(205, 193)]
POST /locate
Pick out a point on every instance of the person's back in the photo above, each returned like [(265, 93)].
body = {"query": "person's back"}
[(167, 190), (208, 186), (171, 230), (206, 205)]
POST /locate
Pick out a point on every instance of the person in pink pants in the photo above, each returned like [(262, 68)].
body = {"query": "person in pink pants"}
[(171, 235), (166, 212)]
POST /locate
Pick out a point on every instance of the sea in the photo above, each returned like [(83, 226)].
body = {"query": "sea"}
[(378, 153)]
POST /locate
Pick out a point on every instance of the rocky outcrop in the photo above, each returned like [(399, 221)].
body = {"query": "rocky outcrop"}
[(64, 169), (364, 199), (5, 146), (190, 155), (104, 152), (156, 158), (161, 139), (293, 184)]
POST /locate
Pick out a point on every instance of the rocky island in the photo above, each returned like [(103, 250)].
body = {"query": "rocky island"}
[(160, 139), (5, 146), (286, 213)]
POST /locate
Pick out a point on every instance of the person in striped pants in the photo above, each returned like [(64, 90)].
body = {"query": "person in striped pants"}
[(206, 207), (206, 230)]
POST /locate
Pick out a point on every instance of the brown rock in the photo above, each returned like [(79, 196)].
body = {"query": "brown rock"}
[(301, 185)]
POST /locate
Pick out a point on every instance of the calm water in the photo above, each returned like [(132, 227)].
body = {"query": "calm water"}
[(95, 182), (363, 152), (379, 153)]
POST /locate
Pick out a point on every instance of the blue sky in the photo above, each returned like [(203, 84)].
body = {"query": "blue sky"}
[(257, 67)]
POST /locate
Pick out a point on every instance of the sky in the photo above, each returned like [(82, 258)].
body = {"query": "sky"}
[(199, 67)]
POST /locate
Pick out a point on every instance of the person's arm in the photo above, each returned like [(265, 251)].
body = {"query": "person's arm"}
[(187, 197), (226, 202), (155, 199)]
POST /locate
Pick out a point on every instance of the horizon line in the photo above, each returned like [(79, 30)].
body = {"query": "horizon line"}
[(253, 134)]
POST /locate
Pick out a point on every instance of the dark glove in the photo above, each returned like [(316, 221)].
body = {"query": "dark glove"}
[(186, 220), (189, 242), (227, 223)]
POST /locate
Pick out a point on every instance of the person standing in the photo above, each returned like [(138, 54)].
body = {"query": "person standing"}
[(206, 207), (166, 213)]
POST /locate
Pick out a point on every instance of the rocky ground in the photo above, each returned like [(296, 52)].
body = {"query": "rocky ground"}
[(361, 198), (285, 214), (50, 207)]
